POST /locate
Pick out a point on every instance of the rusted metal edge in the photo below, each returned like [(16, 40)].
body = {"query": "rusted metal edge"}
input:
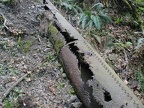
[(96, 83)]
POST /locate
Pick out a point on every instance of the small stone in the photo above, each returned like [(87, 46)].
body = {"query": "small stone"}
[(28, 79), (77, 104), (63, 75), (32, 6), (72, 98)]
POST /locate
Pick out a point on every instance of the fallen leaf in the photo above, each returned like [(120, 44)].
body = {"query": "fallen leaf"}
[(52, 89)]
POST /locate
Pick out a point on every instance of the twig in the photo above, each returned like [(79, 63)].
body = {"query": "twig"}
[(5, 20), (39, 39), (126, 57), (16, 83), (11, 88), (126, 60)]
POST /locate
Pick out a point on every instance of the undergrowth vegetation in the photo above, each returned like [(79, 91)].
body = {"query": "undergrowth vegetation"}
[(94, 16), (89, 16)]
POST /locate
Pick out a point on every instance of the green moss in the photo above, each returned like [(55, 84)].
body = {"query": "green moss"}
[(52, 29), (24, 46), (55, 39), (71, 91)]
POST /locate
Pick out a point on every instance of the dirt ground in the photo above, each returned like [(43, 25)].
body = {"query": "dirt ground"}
[(26, 52)]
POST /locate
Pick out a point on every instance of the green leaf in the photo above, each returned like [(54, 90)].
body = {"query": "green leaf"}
[(90, 24), (8, 104), (88, 14), (67, 6), (75, 10), (98, 38), (138, 0), (79, 9), (105, 17), (128, 44), (98, 6), (141, 8), (6, 1), (119, 20), (84, 21), (97, 22)]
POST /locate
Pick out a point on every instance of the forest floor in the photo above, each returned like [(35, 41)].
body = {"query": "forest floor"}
[(26, 53)]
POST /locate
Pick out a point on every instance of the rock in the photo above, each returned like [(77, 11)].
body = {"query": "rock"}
[(76, 105)]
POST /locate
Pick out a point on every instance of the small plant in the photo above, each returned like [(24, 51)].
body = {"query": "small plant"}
[(6, 69), (3, 44), (71, 91), (140, 78), (9, 2), (68, 5), (8, 104), (94, 16), (6, 1), (12, 100), (60, 85), (51, 58), (121, 45), (24, 46), (119, 20)]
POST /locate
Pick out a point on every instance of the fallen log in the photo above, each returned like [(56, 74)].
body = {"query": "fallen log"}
[(95, 82)]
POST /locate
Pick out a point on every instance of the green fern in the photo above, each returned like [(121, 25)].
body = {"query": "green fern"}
[(68, 5), (94, 17)]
